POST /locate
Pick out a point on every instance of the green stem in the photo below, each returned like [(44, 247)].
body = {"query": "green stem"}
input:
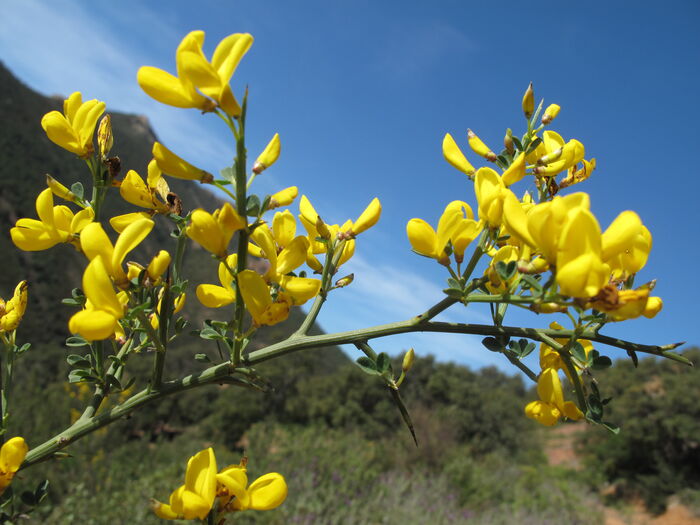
[(102, 390), (330, 265), (521, 366), (179, 255), (241, 208), (368, 350)]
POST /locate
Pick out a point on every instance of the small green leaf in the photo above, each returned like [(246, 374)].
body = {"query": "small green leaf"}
[(527, 350), (383, 362), (76, 340), (114, 382), (78, 361), (42, 489), (517, 143), (492, 344), (633, 356), (223, 182), (602, 362), (253, 205), (23, 348), (533, 145), (229, 174), (454, 283), (367, 365), (579, 352), (202, 358), (77, 189), (209, 333), (531, 282), (72, 302), (454, 294)]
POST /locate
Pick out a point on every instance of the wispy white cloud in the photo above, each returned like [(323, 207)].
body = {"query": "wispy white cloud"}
[(63, 46)]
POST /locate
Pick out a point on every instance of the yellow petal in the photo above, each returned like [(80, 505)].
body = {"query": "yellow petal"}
[(621, 234), (134, 191), (229, 52), (368, 218), (255, 294), (168, 89), (129, 239), (200, 477), (422, 237), (454, 155), (93, 325), (12, 454), (60, 132), (516, 170), (172, 165), (205, 230), (283, 197), (120, 222), (301, 289), (293, 255), (269, 155), (268, 492), (213, 296), (284, 227), (99, 290)]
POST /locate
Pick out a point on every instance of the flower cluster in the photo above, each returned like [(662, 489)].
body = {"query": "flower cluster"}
[(206, 489), (549, 252)]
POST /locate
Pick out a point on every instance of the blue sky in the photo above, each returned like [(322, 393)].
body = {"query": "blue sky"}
[(362, 93)]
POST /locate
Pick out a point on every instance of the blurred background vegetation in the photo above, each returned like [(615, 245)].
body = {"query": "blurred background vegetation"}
[(331, 430)]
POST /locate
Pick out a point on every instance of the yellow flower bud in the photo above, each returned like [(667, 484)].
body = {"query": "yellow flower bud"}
[(653, 307), (283, 197), (12, 311), (345, 281), (12, 455), (105, 139), (172, 165), (59, 190), (269, 155), (508, 142), (408, 360), (550, 113), (158, 265), (476, 144), (454, 155), (529, 101)]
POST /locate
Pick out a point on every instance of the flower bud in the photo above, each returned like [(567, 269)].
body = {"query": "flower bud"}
[(408, 360), (550, 113), (508, 142), (479, 147), (269, 155), (283, 197), (344, 281), (59, 189), (529, 101), (322, 228), (105, 139)]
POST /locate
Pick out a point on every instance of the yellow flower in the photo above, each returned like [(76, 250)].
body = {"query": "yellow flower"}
[(621, 305), (172, 165), (12, 456), (214, 231), (151, 194), (553, 155), (104, 308), (426, 241), (490, 194), (550, 358), (94, 242), (214, 296), (195, 498), (626, 244), (178, 305), (551, 406), (285, 253), (256, 295), (269, 155), (466, 231), (12, 311), (74, 129), (56, 224), (454, 155), (265, 493), (516, 170), (178, 91), (212, 78), (580, 269), (315, 227), (578, 174)]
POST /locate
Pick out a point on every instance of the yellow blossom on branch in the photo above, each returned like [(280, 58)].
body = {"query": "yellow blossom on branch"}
[(12, 311), (12, 456), (74, 129)]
